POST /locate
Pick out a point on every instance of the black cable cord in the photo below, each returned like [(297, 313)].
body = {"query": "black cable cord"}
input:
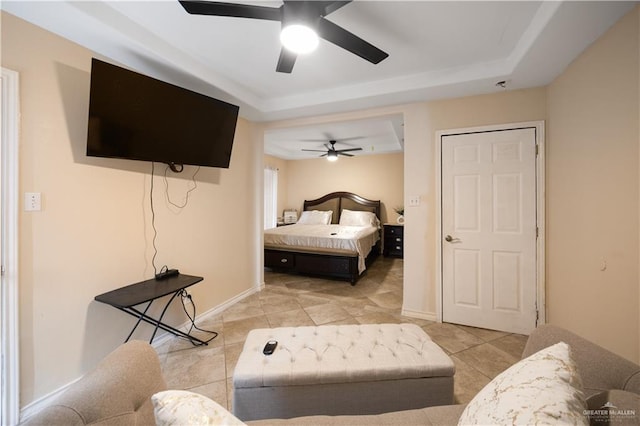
[(186, 200), (185, 295), (153, 223)]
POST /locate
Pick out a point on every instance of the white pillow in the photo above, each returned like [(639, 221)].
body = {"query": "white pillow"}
[(354, 218), (315, 217), (544, 388), (183, 408)]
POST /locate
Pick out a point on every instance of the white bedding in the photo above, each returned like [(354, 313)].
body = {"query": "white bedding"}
[(356, 239)]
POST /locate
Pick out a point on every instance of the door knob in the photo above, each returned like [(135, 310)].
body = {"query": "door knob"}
[(448, 238)]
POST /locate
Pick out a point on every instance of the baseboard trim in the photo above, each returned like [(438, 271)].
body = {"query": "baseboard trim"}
[(429, 316), (35, 406), (44, 401)]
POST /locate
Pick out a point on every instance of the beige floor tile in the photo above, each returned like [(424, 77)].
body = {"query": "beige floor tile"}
[(487, 359), (236, 331), (452, 338), (230, 394), (242, 310), (189, 368), (294, 318), (279, 303), (323, 314), (388, 300), (356, 306), (512, 344), (467, 381), (377, 318), (483, 333), (231, 355)]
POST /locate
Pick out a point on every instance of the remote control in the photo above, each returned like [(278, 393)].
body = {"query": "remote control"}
[(270, 347), (167, 274)]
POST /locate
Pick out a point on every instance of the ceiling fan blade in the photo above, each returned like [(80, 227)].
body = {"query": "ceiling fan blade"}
[(313, 150), (198, 7), (349, 139), (348, 150), (346, 155), (349, 41), (286, 61)]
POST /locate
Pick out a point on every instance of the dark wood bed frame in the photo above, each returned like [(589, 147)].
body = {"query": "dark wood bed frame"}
[(326, 265)]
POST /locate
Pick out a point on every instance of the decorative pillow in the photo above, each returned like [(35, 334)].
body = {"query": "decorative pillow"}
[(544, 388), (354, 218), (183, 408), (315, 217)]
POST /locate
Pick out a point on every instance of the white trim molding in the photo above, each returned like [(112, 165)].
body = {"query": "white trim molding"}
[(540, 209), (10, 128)]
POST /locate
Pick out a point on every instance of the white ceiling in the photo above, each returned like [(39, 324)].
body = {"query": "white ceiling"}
[(436, 50)]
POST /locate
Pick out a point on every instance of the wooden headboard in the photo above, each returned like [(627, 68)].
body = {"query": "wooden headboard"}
[(338, 201)]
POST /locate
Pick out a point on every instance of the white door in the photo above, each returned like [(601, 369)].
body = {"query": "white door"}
[(489, 229)]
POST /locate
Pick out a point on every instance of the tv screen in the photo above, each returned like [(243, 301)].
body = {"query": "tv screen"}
[(137, 117)]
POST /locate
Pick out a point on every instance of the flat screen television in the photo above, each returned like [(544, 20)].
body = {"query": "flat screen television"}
[(133, 116)]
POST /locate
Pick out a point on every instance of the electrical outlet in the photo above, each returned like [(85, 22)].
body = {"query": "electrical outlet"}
[(32, 202)]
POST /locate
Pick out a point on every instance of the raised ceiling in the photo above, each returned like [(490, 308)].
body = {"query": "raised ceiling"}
[(436, 49)]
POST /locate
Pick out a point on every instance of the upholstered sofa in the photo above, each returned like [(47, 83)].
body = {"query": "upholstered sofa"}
[(119, 390)]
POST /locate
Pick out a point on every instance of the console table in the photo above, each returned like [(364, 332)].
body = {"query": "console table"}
[(128, 298)]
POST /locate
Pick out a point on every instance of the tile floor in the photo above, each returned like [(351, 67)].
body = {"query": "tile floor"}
[(290, 300)]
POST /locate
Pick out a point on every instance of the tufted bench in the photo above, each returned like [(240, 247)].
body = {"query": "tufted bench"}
[(340, 369)]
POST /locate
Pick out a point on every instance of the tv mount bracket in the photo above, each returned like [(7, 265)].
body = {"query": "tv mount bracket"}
[(176, 168)]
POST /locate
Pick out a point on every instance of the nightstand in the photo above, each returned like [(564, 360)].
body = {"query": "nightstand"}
[(393, 242)]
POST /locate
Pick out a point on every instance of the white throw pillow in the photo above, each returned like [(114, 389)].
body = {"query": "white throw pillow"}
[(544, 388), (356, 218), (315, 217), (183, 408)]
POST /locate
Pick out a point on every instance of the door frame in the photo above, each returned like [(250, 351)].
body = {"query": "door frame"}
[(540, 208), (10, 365)]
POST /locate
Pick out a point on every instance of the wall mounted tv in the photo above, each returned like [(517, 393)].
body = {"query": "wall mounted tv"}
[(137, 117)]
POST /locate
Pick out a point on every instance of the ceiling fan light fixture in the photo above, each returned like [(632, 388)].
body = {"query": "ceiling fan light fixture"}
[(332, 156), (299, 38)]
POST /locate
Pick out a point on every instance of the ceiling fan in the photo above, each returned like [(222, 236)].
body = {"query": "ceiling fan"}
[(292, 15), (332, 153)]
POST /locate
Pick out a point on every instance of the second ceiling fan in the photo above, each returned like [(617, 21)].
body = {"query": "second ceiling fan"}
[(332, 153), (308, 14)]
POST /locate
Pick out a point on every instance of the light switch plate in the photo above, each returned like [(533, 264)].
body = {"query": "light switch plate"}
[(414, 201)]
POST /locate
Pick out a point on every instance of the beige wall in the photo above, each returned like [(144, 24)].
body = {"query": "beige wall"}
[(592, 192), (94, 231), (377, 177)]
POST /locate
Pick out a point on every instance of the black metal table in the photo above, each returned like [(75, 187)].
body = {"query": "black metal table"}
[(127, 298)]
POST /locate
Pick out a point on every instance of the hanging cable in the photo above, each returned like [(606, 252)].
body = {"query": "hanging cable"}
[(192, 317), (153, 223), (186, 200)]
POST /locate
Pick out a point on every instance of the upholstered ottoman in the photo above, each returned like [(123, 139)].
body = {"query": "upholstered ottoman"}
[(344, 369)]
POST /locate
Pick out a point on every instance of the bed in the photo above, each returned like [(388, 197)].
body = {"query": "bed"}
[(318, 244)]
